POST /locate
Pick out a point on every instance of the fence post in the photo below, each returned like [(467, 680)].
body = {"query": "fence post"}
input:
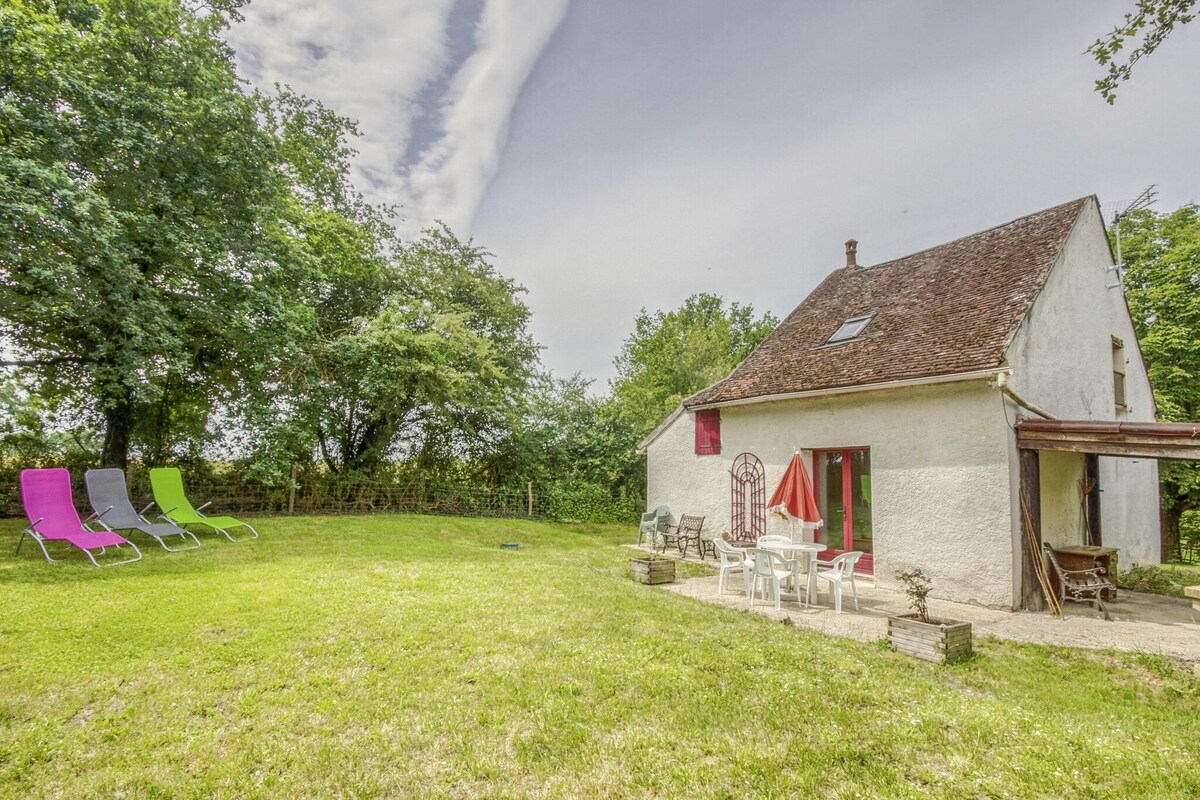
[(529, 497), (292, 493)]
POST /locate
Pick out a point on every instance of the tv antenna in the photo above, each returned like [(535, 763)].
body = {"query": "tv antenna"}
[(1143, 200)]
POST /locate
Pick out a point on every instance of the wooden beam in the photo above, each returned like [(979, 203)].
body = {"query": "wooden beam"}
[(1091, 477), (1161, 450), (1030, 501)]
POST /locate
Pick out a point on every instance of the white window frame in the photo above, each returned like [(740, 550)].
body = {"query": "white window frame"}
[(850, 329)]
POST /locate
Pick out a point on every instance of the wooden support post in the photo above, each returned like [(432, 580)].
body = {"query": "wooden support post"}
[(292, 493), (529, 497), (1091, 477), (1030, 502)]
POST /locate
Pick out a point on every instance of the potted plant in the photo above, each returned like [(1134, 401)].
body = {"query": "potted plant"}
[(919, 635), (653, 569)]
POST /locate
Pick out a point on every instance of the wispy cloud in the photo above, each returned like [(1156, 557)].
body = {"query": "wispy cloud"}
[(431, 82), (452, 174)]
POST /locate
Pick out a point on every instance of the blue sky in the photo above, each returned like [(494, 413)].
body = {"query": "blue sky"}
[(616, 155)]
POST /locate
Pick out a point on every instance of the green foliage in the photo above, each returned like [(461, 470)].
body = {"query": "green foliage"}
[(917, 587), (669, 356), (1157, 580), (136, 207), (1155, 20), (1162, 287), (416, 351), (673, 354), (184, 263), (1189, 536), (587, 502)]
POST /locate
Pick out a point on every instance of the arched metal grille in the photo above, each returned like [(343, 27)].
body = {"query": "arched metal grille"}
[(747, 499)]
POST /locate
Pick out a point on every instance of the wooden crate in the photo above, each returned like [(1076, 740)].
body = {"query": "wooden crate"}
[(657, 570), (940, 640)]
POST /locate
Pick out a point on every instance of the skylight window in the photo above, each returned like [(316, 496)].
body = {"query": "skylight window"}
[(850, 329)]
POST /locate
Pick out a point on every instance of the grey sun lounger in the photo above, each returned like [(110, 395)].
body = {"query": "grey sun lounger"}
[(112, 509)]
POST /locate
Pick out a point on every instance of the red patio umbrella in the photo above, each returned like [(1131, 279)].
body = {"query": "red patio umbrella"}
[(794, 497)]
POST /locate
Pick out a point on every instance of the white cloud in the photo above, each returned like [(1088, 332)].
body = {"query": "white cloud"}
[(377, 61), (453, 173)]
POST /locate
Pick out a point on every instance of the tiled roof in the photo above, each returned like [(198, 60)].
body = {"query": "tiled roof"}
[(947, 310)]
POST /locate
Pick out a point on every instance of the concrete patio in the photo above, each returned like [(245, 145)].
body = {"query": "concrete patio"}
[(1144, 623)]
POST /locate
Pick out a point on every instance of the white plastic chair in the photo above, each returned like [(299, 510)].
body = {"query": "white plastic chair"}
[(769, 568), (733, 559), (773, 539), (840, 572)]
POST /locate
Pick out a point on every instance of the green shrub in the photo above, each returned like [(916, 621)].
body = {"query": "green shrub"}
[(1155, 580), (587, 502), (1189, 536)]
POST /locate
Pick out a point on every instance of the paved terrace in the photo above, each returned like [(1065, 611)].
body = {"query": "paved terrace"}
[(1144, 623)]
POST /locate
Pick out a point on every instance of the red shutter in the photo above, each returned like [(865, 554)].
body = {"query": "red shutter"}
[(708, 432)]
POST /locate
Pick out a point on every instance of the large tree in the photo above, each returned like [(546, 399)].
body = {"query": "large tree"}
[(673, 354), (420, 351), (1162, 285), (139, 248)]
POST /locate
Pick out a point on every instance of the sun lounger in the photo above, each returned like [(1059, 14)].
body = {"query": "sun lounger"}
[(167, 485), (112, 509), (46, 496)]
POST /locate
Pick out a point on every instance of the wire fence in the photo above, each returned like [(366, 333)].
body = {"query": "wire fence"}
[(326, 494)]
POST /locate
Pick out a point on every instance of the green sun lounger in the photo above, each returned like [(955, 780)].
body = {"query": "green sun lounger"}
[(167, 485)]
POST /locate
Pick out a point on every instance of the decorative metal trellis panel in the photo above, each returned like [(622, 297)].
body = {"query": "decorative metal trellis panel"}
[(747, 499)]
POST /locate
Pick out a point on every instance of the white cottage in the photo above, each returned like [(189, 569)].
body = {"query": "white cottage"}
[(901, 384)]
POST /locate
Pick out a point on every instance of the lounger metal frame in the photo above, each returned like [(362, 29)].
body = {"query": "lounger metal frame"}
[(201, 521), (32, 532), (182, 533)]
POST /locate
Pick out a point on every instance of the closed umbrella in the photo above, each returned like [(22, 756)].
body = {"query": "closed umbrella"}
[(794, 497)]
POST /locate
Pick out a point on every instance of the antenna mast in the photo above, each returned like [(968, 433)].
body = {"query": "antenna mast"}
[(1143, 200)]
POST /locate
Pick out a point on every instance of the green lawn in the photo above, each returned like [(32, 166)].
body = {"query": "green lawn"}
[(412, 656)]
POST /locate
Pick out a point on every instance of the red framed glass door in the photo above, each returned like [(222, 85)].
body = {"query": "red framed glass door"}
[(842, 482)]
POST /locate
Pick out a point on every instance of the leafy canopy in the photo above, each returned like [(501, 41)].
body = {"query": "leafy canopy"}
[(138, 248), (1162, 286), (671, 355)]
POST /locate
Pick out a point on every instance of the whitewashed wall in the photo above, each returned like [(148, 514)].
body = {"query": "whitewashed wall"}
[(939, 475), (1062, 362)]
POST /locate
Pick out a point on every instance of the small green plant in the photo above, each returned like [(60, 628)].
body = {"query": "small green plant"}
[(917, 587), (1156, 580)]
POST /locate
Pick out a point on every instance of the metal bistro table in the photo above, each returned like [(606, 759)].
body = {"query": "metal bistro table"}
[(810, 551)]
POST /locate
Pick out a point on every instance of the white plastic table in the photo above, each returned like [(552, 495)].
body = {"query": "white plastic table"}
[(810, 551)]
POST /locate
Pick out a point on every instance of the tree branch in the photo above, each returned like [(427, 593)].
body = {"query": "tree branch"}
[(45, 362)]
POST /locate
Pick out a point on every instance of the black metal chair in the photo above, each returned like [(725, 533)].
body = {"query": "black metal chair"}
[(685, 533), (1081, 585)]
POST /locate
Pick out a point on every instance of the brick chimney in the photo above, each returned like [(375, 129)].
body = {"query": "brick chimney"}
[(852, 253)]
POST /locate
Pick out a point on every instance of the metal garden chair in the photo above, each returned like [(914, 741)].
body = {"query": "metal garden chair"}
[(1082, 585), (687, 532)]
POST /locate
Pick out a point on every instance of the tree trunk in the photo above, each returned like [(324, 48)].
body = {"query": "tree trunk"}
[(118, 422), (1171, 512)]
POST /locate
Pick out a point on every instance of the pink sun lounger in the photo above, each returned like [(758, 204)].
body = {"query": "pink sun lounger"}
[(46, 495)]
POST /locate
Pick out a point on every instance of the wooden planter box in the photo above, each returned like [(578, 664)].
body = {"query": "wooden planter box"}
[(937, 640), (652, 570)]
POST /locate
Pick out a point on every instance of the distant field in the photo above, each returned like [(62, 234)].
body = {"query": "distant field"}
[(403, 656)]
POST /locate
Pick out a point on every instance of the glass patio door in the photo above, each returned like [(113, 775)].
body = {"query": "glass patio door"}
[(843, 489)]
